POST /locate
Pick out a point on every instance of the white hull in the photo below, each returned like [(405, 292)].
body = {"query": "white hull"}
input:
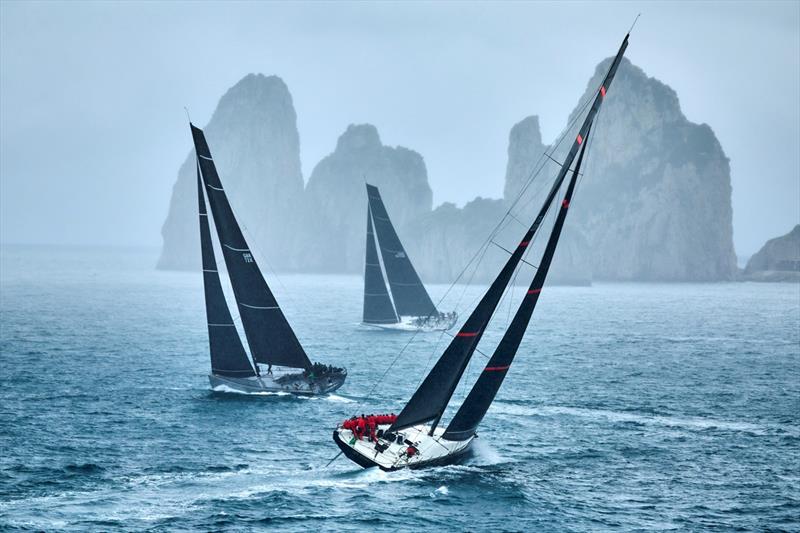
[(431, 450), (416, 323), (293, 383)]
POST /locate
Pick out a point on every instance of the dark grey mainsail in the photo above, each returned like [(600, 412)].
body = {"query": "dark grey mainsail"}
[(378, 307), (228, 357), (408, 292), (269, 335), (471, 412), (432, 396)]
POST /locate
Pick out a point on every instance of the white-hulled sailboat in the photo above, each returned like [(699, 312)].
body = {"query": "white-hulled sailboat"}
[(414, 438), (407, 307), (271, 339)]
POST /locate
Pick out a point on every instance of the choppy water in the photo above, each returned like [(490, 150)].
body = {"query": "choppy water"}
[(630, 407)]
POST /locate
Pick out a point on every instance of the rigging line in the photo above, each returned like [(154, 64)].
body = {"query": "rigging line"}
[(540, 163), (481, 252), (554, 160)]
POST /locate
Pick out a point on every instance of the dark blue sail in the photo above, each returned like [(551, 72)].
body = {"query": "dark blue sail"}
[(269, 335), (432, 396), (479, 399), (378, 307), (228, 357), (408, 292)]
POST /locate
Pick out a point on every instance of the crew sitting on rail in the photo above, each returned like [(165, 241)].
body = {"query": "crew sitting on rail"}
[(319, 369), (367, 425)]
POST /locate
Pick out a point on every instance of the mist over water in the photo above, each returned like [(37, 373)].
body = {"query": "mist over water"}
[(633, 407)]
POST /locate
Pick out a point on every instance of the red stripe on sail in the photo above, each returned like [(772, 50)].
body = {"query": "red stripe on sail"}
[(496, 368), (467, 334), (580, 139), (524, 243), (603, 91), (534, 291), (564, 203)]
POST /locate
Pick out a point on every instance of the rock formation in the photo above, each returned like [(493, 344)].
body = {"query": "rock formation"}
[(777, 260), (336, 198), (654, 205), (656, 201), (254, 140)]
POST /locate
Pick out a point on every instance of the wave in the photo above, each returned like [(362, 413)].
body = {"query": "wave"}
[(226, 389), (690, 422)]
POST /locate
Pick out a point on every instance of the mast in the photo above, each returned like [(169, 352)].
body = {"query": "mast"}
[(270, 337), (472, 411), (408, 292), (228, 357), (434, 393), (378, 306)]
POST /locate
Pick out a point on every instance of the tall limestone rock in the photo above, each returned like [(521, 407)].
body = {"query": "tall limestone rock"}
[(254, 140), (336, 198), (656, 201)]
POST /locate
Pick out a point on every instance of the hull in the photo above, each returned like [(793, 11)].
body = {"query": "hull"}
[(391, 455), (291, 383), (418, 323)]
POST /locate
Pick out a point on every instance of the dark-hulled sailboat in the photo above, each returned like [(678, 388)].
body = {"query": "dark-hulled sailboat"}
[(414, 438), (408, 306), (269, 335)]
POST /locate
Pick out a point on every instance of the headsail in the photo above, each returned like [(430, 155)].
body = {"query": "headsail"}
[(378, 307), (431, 398), (408, 292), (269, 335), (471, 412), (228, 357)]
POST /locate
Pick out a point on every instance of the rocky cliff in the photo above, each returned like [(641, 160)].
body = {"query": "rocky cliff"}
[(777, 260), (335, 220), (656, 201), (254, 140)]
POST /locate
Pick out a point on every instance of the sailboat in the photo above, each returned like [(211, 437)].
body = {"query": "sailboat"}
[(415, 438), (271, 339), (408, 306)]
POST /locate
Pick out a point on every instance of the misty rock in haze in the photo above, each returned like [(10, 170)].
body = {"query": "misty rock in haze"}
[(336, 198), (254, 141), (656, 201), (777, 260)]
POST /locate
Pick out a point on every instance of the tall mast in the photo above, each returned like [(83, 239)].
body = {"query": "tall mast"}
[(432, 396)]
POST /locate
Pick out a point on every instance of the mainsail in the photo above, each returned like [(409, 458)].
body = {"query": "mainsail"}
[(408, 292), (378, 307), (432, 396), (228, 357), (269, 335), (471, 412)]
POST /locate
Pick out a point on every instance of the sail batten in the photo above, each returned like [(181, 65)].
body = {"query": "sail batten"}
[(228, 357), (409, 295), (269, 335), (430, 400)]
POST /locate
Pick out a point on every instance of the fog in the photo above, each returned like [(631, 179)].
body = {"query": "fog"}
[(93, 130)]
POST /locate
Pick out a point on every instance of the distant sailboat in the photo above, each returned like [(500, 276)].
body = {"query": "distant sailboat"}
[(269, 335), (413, 438), (408, 306)]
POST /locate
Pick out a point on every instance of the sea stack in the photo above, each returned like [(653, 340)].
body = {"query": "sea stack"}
[(257, 148)]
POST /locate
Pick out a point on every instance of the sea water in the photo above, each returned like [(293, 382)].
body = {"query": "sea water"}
[(629, 407)]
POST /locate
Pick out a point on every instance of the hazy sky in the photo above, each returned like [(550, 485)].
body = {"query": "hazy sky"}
[(92, 127)]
